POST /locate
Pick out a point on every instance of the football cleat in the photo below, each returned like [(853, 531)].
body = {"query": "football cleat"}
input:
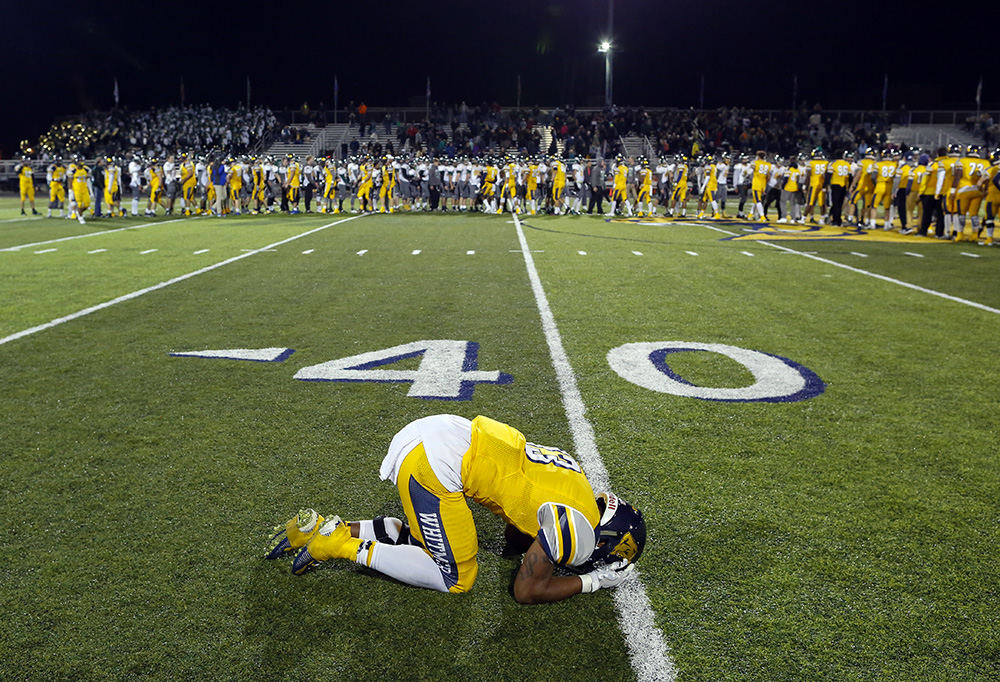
[(292, 535), (333, 541)]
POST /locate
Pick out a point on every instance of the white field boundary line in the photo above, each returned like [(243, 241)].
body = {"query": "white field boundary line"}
[(136, 294), (93, 234), (884, 278), (648, 650)]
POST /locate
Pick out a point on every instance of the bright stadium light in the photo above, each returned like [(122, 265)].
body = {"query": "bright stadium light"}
[(605, 47)]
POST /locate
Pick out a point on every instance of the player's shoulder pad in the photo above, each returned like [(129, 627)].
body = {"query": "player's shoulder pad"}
[(565, 534)]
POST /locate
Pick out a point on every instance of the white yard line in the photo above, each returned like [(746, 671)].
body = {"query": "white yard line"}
[(637, 253), (143, 253), (307, 252), (911, 253), (92, 234), (891, 280), (96, 251), (46, 250), (647, 649), (136, 294), (200, 251)]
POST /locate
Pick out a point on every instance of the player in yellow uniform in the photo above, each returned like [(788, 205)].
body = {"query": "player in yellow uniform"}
[(758, 186), (488, 188), (541, 492), (294, 180), (113, 187), (862, 190), (365, 185), (885, 176), (840, 178), (709, 188), (155, 176), (329, 187), (26, 183), (644, 199), (619, 195), (189, 183), (509, 189), (531, 186), (816, 185), (388, 184), (968, 174), (949, 190), (991, 181), (56, 177), (235, 182), (558, 184), (81, 191), (679, 194)]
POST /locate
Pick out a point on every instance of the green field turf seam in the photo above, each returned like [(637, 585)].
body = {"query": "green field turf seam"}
[(884, 278), (92, 234), (648, 649), (140, 292)]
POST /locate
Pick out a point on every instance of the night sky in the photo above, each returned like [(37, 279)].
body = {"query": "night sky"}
[(63, 57)]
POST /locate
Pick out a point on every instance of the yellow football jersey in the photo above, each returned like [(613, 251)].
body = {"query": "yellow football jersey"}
[(973, 170), (948, 163), (817, 172), (515, 479), (865, 179), (621, 176), (992, 191), (885, 171), (840, 173), (761, 171)]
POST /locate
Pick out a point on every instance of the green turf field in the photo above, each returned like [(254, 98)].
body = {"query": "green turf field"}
[(850, 534)]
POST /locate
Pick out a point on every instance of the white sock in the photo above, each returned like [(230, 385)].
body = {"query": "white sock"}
[(406, 563), (387, 526)]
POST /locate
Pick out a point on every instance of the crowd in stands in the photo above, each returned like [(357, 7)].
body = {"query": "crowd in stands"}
[(158, 132)]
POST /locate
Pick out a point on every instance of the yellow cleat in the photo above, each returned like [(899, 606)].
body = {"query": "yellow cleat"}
[(333, 541), (295, 533)]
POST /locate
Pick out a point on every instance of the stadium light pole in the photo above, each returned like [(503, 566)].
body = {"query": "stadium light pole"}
[(605, 47)]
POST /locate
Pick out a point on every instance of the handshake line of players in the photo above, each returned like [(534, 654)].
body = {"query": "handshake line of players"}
[(878, 190)]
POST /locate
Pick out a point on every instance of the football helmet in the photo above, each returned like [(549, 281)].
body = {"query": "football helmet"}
[(995, 156), (621, 533), (974, 150), (817, 153), (954, 150)]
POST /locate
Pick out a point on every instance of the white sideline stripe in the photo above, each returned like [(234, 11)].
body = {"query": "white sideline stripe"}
[(647, 649), (92, 234), (915, 255), (96, 251), (891, 280), (200, 251), (859, 254), (22, 220), (136, 294), (46, 251), (143, 253)]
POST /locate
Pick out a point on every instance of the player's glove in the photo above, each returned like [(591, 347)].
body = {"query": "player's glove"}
[(610, 575)]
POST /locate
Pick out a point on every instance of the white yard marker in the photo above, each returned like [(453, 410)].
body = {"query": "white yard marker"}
[(136, 294), (859, 254), (96, 251), (747, 253), (582, 253), (415, 252), (307, 252), (46, 251), (891, 280), (637, 253), (647, 649), (970, 255), (362, 252), (470, 253), (92, 234), (915, 255), (143, 253), (691, 253), (200, 251)]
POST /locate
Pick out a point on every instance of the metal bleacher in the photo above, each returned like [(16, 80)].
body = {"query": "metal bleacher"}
[(931, 136)]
